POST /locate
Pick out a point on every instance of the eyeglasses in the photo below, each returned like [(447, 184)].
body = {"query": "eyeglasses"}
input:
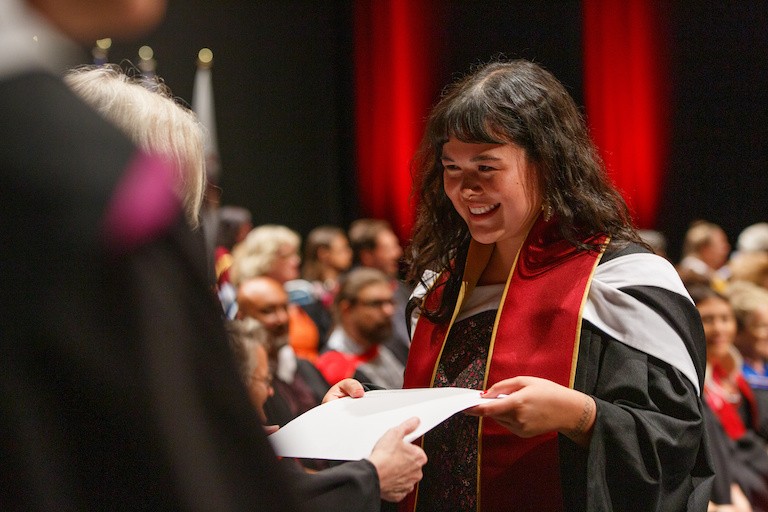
[(267, 381), (376, 303)]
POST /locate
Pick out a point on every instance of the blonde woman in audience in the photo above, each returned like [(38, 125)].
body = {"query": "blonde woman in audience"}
[(146, 111), (273, 250)]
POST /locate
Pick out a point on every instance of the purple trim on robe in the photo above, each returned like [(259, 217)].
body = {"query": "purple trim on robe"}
[(143, 205)]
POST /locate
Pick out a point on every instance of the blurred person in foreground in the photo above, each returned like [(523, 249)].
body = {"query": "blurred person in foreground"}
[(392, 468), (117, 384), (145, 110)]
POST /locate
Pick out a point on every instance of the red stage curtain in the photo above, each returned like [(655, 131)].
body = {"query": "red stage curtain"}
[(626, 96), (393, 92)]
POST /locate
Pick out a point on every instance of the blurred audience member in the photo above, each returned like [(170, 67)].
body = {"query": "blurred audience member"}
[(750, 305), (375, 245), (298, 385), (705, 253), (730, 398), (234, 223), (750, 266), (753, 238), (326, 257), (364, 307), (248, 340), (273, 251), (392, 467)]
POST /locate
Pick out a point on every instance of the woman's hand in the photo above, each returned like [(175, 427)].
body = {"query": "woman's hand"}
[(534, 406), (346, 387)]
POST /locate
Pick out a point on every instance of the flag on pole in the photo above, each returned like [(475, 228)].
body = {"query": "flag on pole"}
[(202, 105)]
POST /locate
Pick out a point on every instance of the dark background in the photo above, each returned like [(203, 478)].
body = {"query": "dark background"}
[(283, 76)]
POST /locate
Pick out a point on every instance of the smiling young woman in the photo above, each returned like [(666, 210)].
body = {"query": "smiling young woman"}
[(533, 284)]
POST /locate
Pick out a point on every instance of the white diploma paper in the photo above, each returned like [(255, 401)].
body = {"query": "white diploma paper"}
[(348, 428)]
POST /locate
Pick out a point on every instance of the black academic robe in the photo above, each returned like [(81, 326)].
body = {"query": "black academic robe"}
[(349, 487), (648, 450), (641, 356), (117, 387)]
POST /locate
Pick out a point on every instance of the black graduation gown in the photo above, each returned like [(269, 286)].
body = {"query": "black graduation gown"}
[(117, 387), (659, 411)]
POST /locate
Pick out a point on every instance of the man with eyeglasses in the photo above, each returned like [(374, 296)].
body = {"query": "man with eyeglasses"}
[(364, 308), (298, 385)]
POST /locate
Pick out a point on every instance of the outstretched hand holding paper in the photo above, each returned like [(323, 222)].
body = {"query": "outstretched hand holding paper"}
[(348, 428)]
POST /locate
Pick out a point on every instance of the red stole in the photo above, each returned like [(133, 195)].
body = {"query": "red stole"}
[(536, 333), (727, 412)]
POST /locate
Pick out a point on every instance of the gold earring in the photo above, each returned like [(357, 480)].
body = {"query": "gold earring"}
[(547, 209)]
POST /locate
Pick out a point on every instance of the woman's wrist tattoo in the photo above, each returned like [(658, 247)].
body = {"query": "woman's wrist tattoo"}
[(586, 413)]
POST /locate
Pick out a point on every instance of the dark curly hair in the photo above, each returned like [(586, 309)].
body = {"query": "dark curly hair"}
[(515, 102)]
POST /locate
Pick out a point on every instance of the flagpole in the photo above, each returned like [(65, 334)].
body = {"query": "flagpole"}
[(202, 105), (100, 51), (147, 62)]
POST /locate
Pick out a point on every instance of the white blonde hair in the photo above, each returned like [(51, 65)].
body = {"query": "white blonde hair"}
[(254, 256), (145, 110), (244, 334)]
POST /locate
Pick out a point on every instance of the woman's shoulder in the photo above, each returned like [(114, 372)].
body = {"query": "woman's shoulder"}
[(620, 248)]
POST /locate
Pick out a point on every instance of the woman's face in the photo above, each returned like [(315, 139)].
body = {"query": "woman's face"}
[(285, 266), (493, 188), (719, 326), (756, 332)]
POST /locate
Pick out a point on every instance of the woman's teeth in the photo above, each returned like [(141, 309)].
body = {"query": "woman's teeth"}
[(483, 209)]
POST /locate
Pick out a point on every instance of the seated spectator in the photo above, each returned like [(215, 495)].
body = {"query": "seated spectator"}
[(273, 251), (753, 238), (248, 341), (375, 245), (390, 471), (730, 398), (705, 253), (751, 266), (326, 257), (298, 385), (364, 307), (750, 305), (233, 224)]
